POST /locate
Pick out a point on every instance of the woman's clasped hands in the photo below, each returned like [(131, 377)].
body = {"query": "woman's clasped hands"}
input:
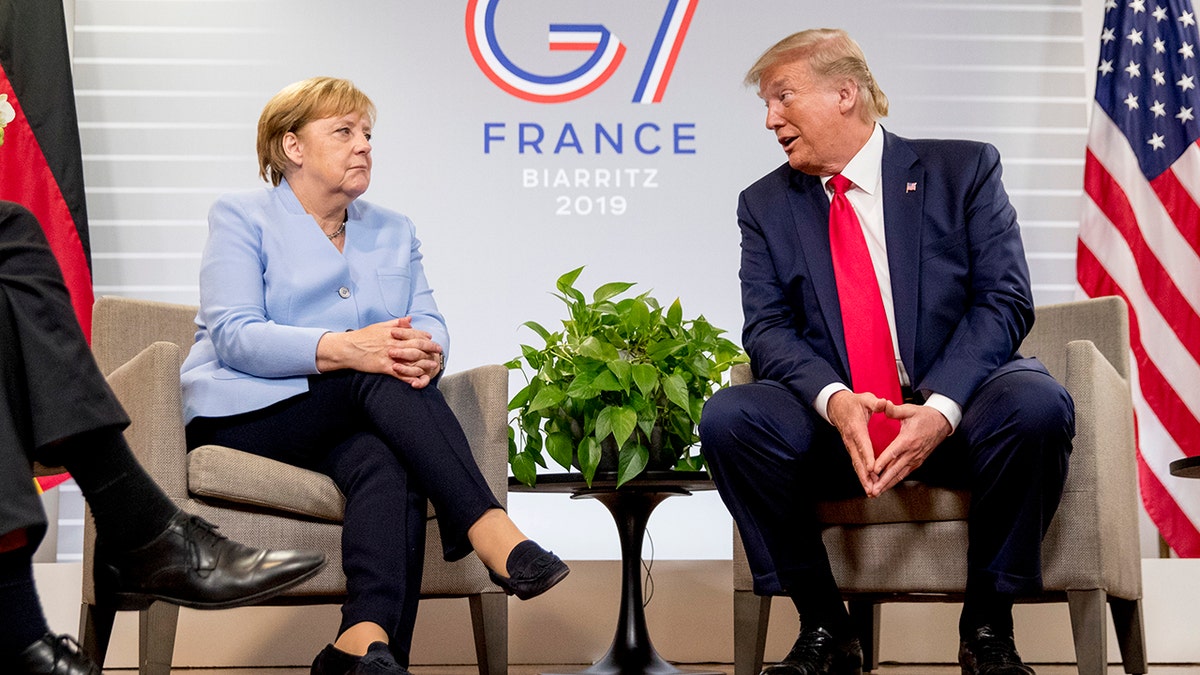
[(391, 347)]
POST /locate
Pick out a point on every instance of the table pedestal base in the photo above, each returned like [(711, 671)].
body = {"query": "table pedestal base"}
[(602, 667), (631, 652)]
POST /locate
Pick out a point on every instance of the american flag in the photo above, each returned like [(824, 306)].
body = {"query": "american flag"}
[(1139, 236)]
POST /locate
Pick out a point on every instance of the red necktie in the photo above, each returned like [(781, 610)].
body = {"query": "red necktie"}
[(868, 339)]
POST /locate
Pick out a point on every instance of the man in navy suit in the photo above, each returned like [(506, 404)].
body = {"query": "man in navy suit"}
[(945, 250)]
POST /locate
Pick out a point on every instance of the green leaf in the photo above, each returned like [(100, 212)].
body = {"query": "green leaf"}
[(589, 458), (609, 290), (622, 369), (560, 448), (537, 328), (618, 421), (524, 469), (675, 313), (549, 396), (632, 462), (533, 355), (566, 284), (568, 280), (606, 381), (664, 348), (676, 390), (521, 398), (593, 348), (645, 376), (583, 387)]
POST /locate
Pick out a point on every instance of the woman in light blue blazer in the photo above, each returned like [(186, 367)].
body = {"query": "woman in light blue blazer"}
[(320, 345)]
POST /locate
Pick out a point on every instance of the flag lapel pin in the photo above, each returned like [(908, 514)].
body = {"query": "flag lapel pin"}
[(910, 187)]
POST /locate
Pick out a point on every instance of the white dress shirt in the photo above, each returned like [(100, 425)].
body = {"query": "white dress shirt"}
[(865, 171)]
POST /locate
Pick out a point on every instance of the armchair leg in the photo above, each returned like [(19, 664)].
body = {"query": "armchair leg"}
[(95, 630), (1131, 636), (864, 617), (489, 618), (156, 638), (1089, 628), (751, 614)]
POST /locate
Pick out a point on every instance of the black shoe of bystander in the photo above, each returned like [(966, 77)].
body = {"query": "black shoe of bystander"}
[(190, 564), (55, 655)]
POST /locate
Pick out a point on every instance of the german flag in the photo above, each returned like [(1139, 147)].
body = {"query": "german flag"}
[(41, 166)]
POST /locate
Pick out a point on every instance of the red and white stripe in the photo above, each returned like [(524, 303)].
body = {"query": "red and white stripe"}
[(1141, 240), (575, 41)]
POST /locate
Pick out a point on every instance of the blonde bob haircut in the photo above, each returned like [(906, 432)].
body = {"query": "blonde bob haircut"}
[(295, 106), (832, 54)]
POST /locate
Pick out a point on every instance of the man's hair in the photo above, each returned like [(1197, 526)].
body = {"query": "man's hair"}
[(832, 54), (295, 106)]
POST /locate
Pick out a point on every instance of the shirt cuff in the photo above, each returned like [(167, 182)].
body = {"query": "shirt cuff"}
[(821, 402), (949, 409)]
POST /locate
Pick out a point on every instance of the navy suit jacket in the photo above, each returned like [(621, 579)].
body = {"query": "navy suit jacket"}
[(959, 278)]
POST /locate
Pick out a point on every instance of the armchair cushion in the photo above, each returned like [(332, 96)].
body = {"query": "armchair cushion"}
[(908, 502), (217, 472)]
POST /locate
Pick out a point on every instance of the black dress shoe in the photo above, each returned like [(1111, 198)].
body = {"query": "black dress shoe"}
[(532, 571), (55, 655), (988, 652), (817, 652), (190, 564), (377, 661)]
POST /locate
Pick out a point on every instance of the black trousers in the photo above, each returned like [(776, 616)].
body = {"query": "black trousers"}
[(388, 447), (50, 387), (772, 458)]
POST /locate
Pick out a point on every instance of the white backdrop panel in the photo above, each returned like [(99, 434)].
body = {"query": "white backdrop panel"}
[(169, 92)]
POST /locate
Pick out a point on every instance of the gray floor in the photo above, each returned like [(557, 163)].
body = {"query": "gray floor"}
[(887, 669)]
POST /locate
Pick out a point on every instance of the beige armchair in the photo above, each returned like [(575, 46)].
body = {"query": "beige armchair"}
[(910, 544), (140, 346)]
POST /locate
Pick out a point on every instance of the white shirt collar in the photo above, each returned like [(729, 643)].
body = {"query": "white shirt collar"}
[(865, 169)]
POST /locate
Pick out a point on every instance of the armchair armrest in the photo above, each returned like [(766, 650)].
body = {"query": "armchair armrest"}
[(479, 399), (148, 388), (1103, 321), (1103, 469)]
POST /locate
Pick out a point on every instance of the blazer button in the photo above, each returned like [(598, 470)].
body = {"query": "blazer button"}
[(344, 292)]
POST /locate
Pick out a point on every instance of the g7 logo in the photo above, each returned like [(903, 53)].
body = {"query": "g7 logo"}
[(606, 54)]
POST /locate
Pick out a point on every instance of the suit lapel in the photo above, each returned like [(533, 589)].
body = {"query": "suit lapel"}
[(903, 213), (810, 215)]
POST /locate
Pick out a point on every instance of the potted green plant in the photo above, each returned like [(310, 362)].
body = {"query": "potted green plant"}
[(619, 388)]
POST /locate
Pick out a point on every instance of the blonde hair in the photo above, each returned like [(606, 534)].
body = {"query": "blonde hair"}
[(295, 106), (832, 54)]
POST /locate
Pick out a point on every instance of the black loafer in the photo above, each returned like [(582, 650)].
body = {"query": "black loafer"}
[(817, 652), (377, 661), (532, 570), (55, 655), (189, 564), (990, 652)]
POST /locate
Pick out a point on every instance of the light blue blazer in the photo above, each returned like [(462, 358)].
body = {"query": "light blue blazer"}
[(271, 284)]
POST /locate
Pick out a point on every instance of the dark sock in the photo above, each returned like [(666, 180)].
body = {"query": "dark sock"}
[(988, 608), (819, 603), (333, 661), (21, 620), (129, 508)]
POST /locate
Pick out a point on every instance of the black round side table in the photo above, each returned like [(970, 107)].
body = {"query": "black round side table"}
[(1188, 467), (630, 505)]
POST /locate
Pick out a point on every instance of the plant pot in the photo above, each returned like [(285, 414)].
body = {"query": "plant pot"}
[(660, 458)]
